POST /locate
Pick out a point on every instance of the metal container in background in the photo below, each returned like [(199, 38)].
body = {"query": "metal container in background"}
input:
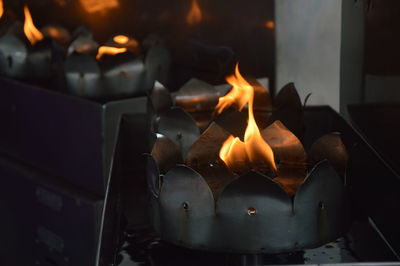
[(68, 137)]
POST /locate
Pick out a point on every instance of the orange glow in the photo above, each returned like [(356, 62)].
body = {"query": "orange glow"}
[(238, 96), (1, 8), (195, 15), (254, 151), (109, 50), (121, 39), (31, 32), (269, 24), (99, 6)]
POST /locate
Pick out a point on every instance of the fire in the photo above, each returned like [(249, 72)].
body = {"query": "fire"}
[(121, 39), (1, 8), (195, 15), (269, 24), (99, 6), (254, 151), (31, 32), (109, 50)]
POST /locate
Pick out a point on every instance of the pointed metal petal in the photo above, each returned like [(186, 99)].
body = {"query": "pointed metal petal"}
[(254, 213), (205, 149), (330, 147), (197, 95), (186, 208), (287, 148), (152, 175), (217, 176), (318, 207), (233, 121), (161, 99), (165, 153), (180, 127), (289, 110)]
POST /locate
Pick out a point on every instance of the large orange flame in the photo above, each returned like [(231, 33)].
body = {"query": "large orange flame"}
[(31, 32), (1, 8), (195, 15), (109, 50), (254, 151)]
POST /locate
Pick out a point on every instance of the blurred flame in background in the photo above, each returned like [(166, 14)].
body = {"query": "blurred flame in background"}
[(99, 6), (195, 15), (121, 39), (269, 24), (1, 8), (110, 51), (31, 32)]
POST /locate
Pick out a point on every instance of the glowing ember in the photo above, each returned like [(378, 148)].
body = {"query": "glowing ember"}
[(109, 50), (121, 39), (269, 24), (254, 151), (194, 16), (1, 8), (99, 6), (31, 32)]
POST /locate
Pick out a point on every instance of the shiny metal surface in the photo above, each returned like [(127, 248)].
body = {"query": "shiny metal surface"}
[(166, 153), (330, 147), (180, 127), (253, 213), (197, 95), (84, 77), (20, 60), (186, 208), (205, 149)]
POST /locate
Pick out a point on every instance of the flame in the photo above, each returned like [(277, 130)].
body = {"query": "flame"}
[(195, 15), (121, 39), (31, 32), (254, 150), (109, 50), (99, 6), (1, 8), (269, 24)]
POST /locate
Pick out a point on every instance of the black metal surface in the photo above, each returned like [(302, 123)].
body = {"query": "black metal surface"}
[(67, 136), (49, 221)]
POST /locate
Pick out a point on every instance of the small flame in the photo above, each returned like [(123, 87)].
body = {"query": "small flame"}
[(1, 8), (195, 15), (270, 24), (109, 50), (254, 150), (121, 39), (31, 32)]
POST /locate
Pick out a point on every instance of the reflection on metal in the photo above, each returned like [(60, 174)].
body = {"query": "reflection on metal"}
[(197, 95), (180, 127), (21, 60), (330, 147), (287, 148), (206, 148), (165, 153)]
